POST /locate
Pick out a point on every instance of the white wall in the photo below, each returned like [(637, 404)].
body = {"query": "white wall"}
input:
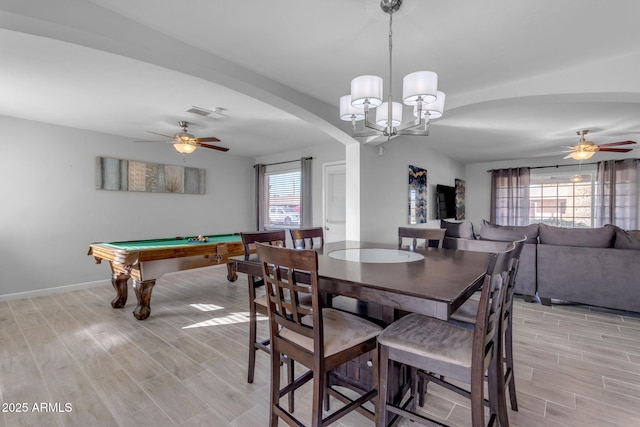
[(51, 210), (385, 185)]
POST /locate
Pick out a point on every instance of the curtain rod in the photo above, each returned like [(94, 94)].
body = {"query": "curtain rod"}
[(554, 166), (287, 161)]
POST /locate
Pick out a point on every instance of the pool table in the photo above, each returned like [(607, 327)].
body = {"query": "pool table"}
[(144, 261)]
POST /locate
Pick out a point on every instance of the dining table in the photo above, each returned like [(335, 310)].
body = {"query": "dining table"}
[(429, 281)]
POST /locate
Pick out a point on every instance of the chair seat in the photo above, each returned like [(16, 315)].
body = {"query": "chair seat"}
[(466, 312), (341, 331), (431, 339)]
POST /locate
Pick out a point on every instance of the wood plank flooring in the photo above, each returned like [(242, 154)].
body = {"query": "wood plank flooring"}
[(72, 360)]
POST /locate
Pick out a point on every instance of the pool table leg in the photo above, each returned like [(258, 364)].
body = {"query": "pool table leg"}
[(143, 293), (119, 282), (232, 275)]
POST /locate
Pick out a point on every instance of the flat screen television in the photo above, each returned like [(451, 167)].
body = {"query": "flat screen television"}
[(445, 201)]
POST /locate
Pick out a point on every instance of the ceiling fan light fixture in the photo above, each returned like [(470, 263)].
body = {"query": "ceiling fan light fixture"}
[(184, 148), (582, 155), (184, 137)]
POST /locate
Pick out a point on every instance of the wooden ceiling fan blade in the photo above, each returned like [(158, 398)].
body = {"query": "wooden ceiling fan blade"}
[(613, 144), (616, 150), (156, 133), (208, 139), (146, 140), (214, 147)]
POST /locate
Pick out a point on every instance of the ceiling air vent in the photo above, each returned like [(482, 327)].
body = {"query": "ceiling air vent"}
[(216, 114)]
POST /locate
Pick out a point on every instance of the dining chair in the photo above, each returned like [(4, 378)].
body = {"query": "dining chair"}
[(258, 304), (316, 337), (435, 349), (465, 316), (307, 238), (432, 237)]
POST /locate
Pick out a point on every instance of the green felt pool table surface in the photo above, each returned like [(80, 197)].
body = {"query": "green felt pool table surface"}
[(137, 245)]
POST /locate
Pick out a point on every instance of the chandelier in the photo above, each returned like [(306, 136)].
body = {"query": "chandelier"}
[(419, 90)]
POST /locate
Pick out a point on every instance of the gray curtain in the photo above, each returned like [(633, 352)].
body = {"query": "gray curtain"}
[(305, 199), (616, 200), (510, 196), (259, 170)]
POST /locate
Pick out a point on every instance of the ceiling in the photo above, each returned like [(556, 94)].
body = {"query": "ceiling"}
[(521, 77)]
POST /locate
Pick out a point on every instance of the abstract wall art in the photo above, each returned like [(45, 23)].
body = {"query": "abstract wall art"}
[(131, 175), (417, 195), (460, 184)]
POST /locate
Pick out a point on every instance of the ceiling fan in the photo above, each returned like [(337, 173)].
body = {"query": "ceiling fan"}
[(186, 143), (584, 149)]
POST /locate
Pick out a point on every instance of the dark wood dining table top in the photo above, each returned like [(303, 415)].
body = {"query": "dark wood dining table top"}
[(435, 286)]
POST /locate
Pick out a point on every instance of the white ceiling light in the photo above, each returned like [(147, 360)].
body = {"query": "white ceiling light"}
[(419, 89), (581, 154), (184, 148)]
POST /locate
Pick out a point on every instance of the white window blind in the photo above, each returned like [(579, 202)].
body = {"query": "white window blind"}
[(283, 195)]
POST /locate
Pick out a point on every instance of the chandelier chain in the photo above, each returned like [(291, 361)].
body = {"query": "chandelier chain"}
[(390, 97)]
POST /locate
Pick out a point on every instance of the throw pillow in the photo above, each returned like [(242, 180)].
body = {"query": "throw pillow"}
[(508, 233), (463, 230), (585, 237), (627, 239)]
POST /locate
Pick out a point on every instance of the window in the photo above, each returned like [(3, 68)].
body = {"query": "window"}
[(561, 200), (282, 205), (604, 193)]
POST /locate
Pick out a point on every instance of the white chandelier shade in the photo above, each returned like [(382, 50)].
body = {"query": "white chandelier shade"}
[(348, 111), (366, 89), (435, 110), (382, 114), (419, 86)]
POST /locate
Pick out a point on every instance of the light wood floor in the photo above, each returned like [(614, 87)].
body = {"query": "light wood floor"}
[(186, 364)]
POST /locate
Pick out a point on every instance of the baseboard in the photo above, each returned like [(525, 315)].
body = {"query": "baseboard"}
[(56, 290)]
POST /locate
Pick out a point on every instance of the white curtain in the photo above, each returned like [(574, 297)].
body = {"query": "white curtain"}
[(510, 196), (617, 199), (305, 193)]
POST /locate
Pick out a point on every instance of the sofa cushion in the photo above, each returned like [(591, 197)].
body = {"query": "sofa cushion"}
[(462, 229), (627, 239), (507, 233), (585, 237)]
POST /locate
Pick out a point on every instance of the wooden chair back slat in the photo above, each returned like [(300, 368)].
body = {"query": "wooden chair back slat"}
[(281, 270), (272, 237), (307, 238), (432, 237)]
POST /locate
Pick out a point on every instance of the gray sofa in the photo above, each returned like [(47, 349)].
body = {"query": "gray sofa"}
[(597, 266)]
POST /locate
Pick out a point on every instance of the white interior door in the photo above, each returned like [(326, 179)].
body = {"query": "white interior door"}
[(334, 203)]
